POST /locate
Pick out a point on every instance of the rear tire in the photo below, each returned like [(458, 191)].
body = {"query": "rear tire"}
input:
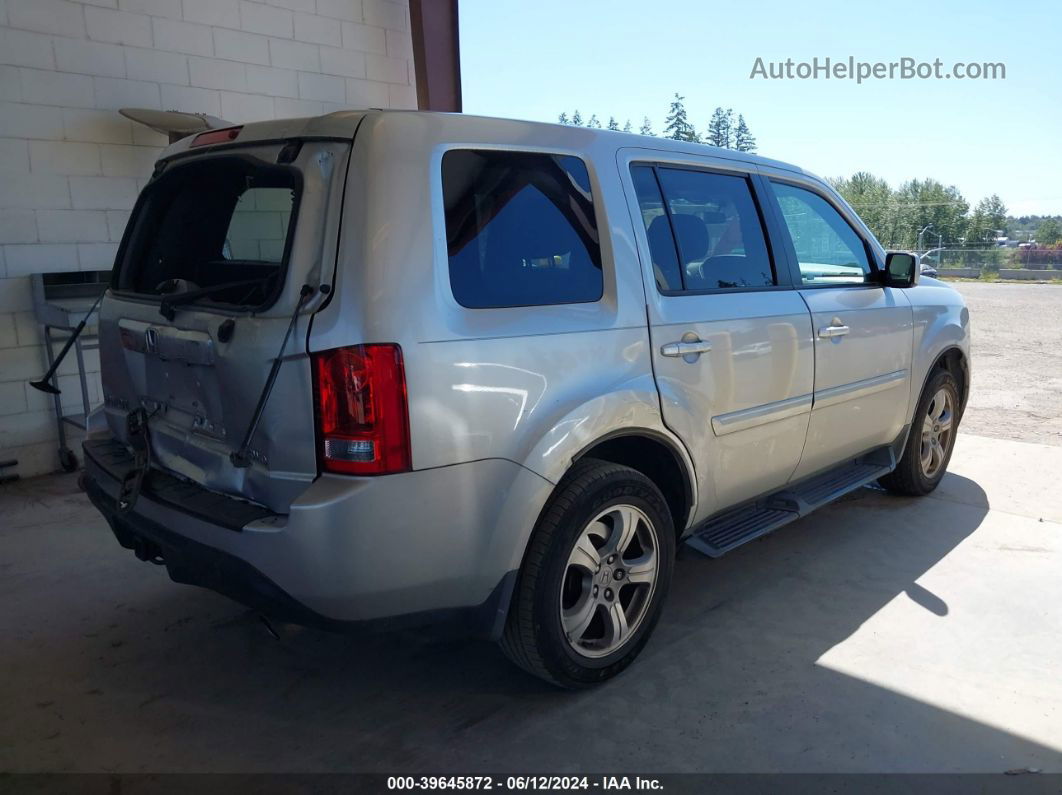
[(594, 578), (931, 440)]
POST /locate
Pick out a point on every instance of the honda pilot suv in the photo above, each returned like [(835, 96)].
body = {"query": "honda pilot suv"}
[(416, 369)]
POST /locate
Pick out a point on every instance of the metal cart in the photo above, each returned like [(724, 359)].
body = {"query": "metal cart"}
[(60, 301)]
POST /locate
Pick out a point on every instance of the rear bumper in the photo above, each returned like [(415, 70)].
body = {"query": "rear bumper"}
[(193, 563), (436, 549)]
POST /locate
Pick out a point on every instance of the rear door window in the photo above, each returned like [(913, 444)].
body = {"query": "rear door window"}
[(657, 229), (704, 230), (213, 222), (520, 229)]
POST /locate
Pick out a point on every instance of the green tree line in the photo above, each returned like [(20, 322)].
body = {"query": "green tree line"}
[(724, 129), (896, 216), (944, 217)]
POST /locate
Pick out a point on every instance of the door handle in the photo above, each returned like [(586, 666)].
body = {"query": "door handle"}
[(826, 332), (678, 349)]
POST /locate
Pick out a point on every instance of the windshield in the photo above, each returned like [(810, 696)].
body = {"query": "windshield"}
[(209, 223)]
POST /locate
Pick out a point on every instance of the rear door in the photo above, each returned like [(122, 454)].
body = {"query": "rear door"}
[(732, 345), (252, 223), (863, 331)]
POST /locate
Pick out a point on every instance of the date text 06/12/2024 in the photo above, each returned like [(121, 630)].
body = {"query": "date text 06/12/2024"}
[(523, 783)]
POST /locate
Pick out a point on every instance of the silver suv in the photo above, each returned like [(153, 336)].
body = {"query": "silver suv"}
[(398, 368)]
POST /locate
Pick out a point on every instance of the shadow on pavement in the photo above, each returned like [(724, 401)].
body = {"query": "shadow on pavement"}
[(117, 668)]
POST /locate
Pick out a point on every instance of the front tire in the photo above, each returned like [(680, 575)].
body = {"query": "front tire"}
[(594, 579), (931, 440)]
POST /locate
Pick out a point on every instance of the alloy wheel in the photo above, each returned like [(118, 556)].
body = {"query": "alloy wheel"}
[(609, 580), (937, 433)]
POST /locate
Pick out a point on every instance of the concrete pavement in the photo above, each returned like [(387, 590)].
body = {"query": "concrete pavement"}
[(880, 634)]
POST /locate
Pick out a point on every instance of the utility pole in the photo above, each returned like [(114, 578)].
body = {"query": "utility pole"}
[(920, 249)]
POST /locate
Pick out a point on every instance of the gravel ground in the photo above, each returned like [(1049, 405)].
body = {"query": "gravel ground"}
[(1017, 361)]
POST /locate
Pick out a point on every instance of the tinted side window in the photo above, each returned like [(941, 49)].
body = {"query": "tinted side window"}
[(718, 228), (828, 250), (520, 229), (657, 229)]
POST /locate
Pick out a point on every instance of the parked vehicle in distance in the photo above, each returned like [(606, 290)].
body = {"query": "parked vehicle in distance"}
[(398, 368)]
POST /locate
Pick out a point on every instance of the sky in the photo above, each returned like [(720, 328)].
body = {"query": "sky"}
[(532, 59)]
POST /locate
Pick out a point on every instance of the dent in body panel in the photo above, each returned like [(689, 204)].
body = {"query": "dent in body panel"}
[(199, 411), (203, 391)]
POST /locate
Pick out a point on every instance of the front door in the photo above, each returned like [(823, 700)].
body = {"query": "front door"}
[(863, 332), (732, 341)]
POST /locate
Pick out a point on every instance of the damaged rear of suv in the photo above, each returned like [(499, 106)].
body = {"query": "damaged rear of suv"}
[(484, 375), (255, 435)]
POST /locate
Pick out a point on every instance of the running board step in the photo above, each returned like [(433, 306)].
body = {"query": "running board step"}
[(732, 528)]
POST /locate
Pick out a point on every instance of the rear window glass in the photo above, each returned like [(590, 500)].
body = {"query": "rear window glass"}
[(657, 229), (718, 230), (212, 223), (520, 229), (258, 227)]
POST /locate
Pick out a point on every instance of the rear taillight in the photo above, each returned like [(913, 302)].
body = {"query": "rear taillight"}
[(362, 418)]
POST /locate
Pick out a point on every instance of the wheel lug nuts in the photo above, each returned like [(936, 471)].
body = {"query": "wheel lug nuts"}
[(618, 574), (608, 593), (611, 558), (595, 590)]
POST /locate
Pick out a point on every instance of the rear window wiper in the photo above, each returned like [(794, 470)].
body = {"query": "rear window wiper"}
[(169, 303)]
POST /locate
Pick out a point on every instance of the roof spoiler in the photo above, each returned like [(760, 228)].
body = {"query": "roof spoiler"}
[(174, 123)]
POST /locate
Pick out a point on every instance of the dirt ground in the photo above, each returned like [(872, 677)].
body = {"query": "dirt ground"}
[(1017, 361)]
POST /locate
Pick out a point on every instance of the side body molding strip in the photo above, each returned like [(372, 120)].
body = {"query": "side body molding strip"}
[(761, 415), (858, 389), (741, 420)]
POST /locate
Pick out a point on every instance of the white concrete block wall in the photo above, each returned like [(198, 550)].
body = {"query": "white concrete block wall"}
[(71, 167)]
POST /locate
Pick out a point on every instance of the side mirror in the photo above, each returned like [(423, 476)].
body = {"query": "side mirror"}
[(901, 269)]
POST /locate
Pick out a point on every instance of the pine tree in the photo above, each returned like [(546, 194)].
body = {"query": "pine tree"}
[(577, 118), (627, 126), (594, 122), (677, 124), (646, 128), (719, 128), (715, 129), (744, 141), (563, 119), (612, 123)]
